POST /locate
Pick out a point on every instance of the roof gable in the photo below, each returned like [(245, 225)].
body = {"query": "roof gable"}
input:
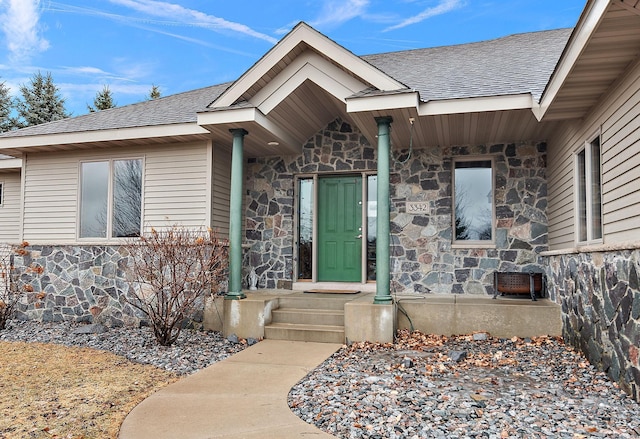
[(306, 41)]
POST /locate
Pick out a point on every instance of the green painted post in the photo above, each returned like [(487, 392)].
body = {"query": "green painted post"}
[(235, 216), (383, 278)]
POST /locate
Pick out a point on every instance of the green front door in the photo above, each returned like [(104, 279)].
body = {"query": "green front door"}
[(340, 229)]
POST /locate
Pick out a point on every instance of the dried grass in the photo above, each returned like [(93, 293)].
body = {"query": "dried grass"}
[(52, 391)]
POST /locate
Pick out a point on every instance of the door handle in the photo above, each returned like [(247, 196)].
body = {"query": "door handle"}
[(359, 237)]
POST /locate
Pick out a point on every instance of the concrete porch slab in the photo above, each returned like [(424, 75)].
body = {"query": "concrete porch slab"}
[(501, 317)]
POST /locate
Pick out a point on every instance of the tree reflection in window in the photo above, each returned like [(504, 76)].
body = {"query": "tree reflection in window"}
[(127, 198), (125, 206), (473, 200)]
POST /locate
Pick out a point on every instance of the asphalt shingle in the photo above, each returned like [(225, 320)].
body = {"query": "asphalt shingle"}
[(515, 64)]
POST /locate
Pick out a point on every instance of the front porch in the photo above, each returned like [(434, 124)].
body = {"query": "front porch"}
[(348, 318)]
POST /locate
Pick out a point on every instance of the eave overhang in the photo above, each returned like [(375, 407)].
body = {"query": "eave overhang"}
[(10, 164), (18, 145), (605, 42)]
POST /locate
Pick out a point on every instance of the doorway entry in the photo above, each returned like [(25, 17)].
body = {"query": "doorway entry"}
[(336, 228)]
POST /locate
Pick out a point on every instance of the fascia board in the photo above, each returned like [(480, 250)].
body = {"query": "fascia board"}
[(382, 102), (246, 116), (309, 66), (580, 38), (304, 33), (476, 105), (11, 164), (323, 78), (227, 116), (147, 132)]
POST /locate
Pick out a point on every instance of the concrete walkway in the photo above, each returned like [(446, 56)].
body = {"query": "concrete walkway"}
[(244, 396)]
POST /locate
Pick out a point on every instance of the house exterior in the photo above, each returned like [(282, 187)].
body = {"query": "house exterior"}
[(417, 172)]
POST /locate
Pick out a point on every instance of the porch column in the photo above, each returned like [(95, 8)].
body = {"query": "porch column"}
[(383, 284), (235, 216)]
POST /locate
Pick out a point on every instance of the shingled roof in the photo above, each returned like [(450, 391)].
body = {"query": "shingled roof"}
[(516, 64), (175, 109)]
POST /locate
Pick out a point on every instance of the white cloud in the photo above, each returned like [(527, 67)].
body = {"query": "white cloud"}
[(190, 17), (20, 25), (442, 8), (336, 12)]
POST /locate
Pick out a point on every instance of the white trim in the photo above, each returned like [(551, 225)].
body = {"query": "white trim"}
[(23, 183), (579, 40), (109, 239), (588, 163), (148, 132), (476, 105), (310, 66), (211, 157), (440, 107), (303, 33), (320, 77), (243, 116), (383, 102), (11, 164)]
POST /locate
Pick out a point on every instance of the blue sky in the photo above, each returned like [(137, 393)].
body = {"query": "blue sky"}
[(181, 45)]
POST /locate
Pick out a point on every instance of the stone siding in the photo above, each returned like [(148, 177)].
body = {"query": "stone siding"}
[(74, 283), (600, 298), (423, 258)]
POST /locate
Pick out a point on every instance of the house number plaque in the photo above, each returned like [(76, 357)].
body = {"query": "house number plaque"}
[(417, 206)]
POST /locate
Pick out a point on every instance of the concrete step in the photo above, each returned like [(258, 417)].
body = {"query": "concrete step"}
[(299, 332), (308, 316), (314, 301)]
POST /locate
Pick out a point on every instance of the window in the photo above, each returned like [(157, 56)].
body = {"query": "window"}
[(305, 228), (1, 194), (111, 199), (589, 192), (473, 201)]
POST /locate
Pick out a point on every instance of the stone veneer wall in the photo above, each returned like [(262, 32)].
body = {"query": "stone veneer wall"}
[(600, 297), (74, 283), (423, 259)]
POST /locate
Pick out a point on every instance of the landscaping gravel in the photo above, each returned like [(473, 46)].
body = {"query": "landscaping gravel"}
[(423, 386), (464, 387), (194, 350)]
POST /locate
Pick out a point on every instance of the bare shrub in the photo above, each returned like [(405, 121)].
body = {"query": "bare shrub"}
[(10, 293), (172, 270)]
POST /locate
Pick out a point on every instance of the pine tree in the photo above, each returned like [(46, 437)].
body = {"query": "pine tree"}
[(7, 122), (41, 102), (154, 93), (103, 100)]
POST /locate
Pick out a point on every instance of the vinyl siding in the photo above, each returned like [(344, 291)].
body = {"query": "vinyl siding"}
[(618, 117), (174, 188), (10, 209), (221, 192)]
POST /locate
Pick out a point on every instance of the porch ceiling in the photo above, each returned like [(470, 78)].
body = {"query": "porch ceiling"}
[(614, 45), (286, 127), (456, 129)]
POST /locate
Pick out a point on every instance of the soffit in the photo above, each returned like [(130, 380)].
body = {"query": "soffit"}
[(481, 128), (611, 49)]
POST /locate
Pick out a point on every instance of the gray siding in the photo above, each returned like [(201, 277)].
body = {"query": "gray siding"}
[(618, 117), (10, 209), (175, 189), (221, 190)]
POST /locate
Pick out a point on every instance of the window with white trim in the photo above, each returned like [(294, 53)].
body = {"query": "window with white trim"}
[(111, 198), (473, 214), (589, 192), (1, 193)]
